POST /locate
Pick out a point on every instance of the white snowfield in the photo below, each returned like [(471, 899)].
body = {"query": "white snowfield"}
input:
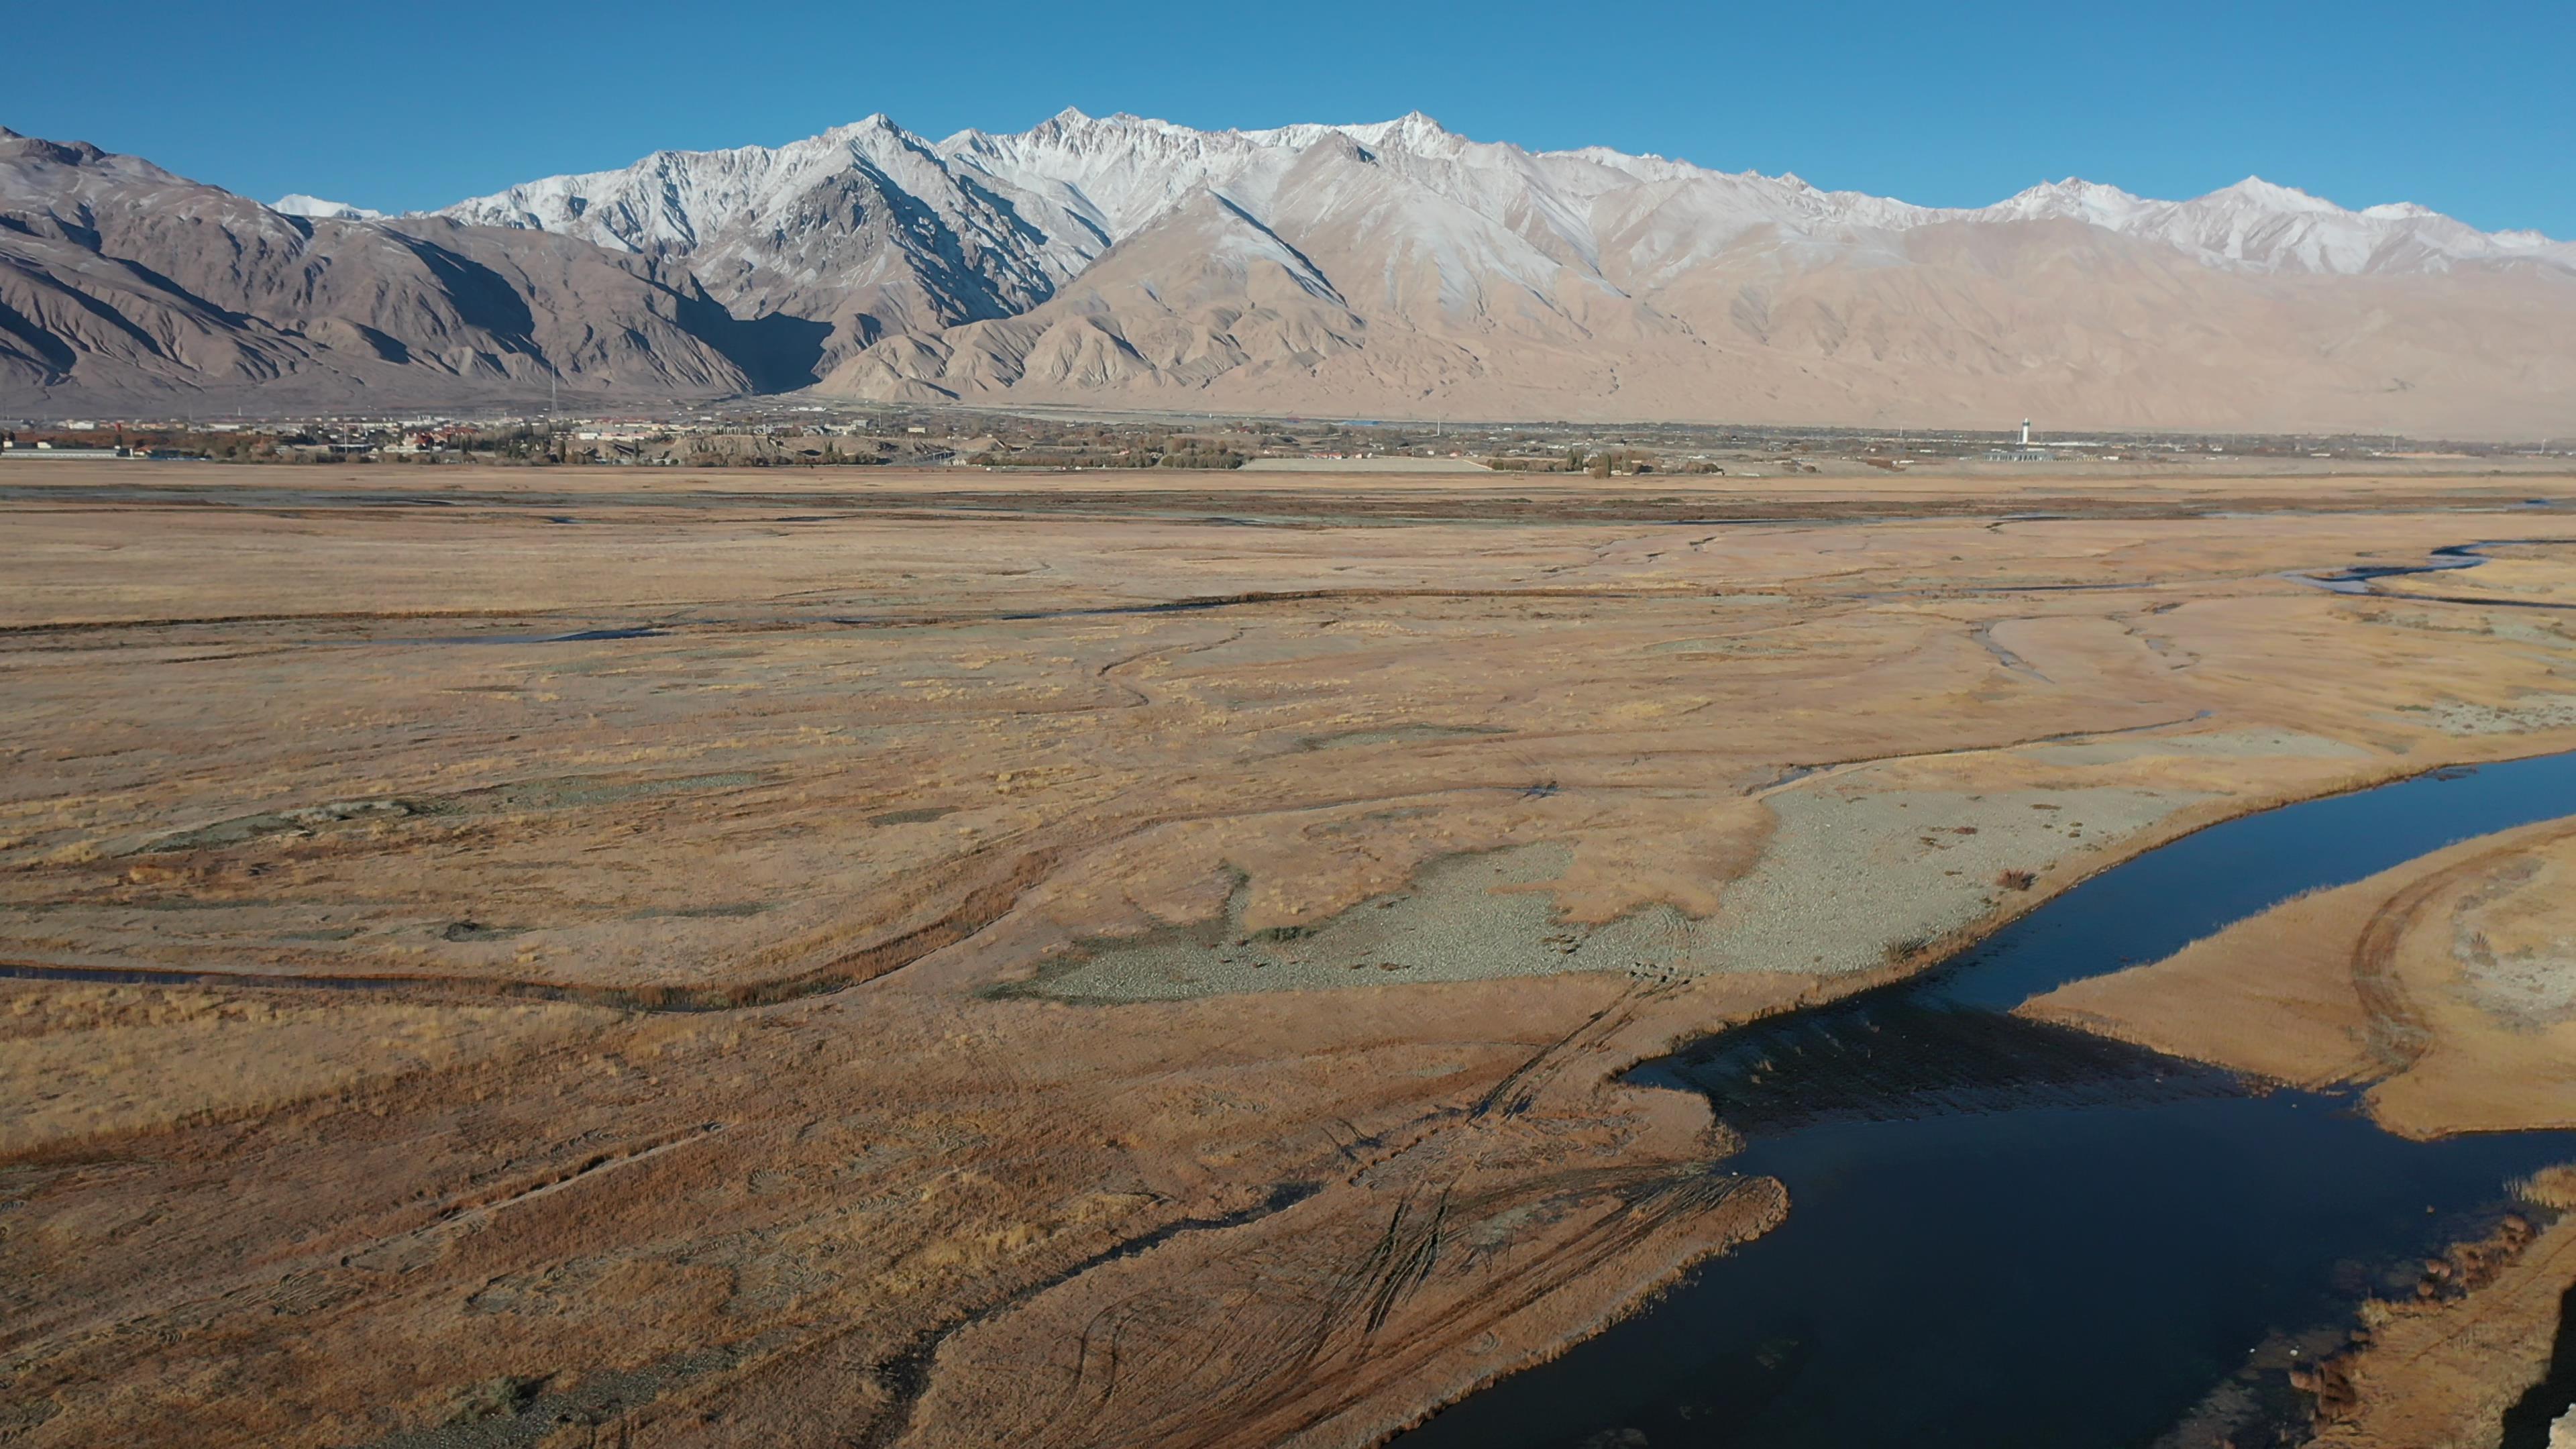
[(296, 203)]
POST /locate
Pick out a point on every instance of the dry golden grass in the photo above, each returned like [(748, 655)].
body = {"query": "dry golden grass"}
[(2553, 1188), (83, 1063)]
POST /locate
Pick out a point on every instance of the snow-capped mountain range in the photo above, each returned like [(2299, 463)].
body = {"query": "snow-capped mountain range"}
[(1396, 267), (1052, 198), (1117, 254)]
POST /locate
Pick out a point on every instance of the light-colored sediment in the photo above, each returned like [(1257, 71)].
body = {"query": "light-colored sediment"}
[(1464, 918), (911, 757), (1857, 876), (1934, 860)]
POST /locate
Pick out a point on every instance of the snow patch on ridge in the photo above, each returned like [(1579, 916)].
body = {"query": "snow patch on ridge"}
[(296, 203)]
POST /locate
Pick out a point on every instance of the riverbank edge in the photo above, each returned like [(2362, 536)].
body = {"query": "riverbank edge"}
[(1627, 1055)]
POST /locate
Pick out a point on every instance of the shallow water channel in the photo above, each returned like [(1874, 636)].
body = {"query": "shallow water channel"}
[(2003, 1233)]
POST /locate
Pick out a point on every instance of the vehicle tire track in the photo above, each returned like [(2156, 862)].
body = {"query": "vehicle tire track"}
[(978, 909)]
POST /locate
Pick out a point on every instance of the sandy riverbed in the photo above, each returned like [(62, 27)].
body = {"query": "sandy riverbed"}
[(1070, 912)]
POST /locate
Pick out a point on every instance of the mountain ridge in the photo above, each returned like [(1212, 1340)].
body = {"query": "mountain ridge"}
[(2096, 202), (123, 284), (1389, 267)]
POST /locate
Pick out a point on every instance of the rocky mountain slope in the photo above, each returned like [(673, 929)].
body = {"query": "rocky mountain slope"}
[(1398, 268), (125, 287)]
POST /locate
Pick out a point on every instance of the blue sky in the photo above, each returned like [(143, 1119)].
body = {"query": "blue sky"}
[(2468, 107)]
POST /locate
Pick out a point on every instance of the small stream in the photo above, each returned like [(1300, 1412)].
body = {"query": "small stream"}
[(2363, 578), (2356, 578), (2011, 1235)]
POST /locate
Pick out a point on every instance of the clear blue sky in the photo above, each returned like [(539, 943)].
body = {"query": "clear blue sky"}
[(2468, 106)]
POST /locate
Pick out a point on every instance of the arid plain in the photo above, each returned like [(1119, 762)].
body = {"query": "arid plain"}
[(663, 957)]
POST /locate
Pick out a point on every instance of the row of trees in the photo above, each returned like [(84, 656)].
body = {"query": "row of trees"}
[(1154, 453), (1605, 463)]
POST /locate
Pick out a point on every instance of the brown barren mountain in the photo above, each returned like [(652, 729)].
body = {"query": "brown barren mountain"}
[(123, 286), (1979, 322)]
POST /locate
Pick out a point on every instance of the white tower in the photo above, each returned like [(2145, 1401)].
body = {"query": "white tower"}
[(2025, 432)]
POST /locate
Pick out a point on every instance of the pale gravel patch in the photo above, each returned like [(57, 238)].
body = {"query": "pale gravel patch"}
[(2527, 988), (2546, 633), (1849, 877), (2530, 987), (2216, 744), (2529, 713), (1463, 918)]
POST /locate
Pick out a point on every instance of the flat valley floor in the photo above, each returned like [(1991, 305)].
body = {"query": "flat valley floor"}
[(661, 957)]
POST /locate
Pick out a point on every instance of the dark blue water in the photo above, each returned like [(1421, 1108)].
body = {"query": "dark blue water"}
[(2153, 906), (2004, 1233), (2356, 578)]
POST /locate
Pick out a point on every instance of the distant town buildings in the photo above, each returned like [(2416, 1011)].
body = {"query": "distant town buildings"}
[(2020, 453)]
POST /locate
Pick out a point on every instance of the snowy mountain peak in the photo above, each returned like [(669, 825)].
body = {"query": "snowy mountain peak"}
[(2259, 192), (875, 123), (1074, 124), (1412, 130), (296, 203), (2072, 199)]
